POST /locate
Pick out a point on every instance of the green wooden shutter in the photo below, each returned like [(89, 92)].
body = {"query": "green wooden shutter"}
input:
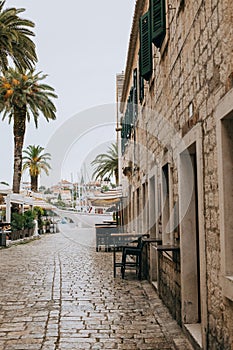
[(145, 46), (128, 117), (141, 89), (135, 86), (135, 94), (141, 80), (158, 21), (131, 107), (123, 135)]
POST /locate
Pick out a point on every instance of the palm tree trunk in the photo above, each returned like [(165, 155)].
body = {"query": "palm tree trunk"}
[(34, 183), (19, 133), (116, 176)]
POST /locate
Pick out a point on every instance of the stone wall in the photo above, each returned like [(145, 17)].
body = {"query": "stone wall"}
[(169, 284), (192, 72)]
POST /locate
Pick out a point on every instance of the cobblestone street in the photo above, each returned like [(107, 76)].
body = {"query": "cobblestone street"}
[(58, 293)]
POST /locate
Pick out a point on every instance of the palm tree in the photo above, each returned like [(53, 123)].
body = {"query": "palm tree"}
[(22, 95), (15, 39), (36, 161), (106, 163)]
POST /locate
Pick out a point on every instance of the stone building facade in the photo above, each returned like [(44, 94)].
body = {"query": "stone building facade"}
[(177, 157)]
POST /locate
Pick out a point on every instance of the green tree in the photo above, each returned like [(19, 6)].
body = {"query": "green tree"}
[(38, 213), (29, 217), (60, 204), (15, 41), (35, 160), (106, 164), (22, 95), (104, 188), (48, 191)]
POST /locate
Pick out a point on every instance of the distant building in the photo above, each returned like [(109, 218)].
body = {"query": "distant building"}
[(65, 195), (64, 184)]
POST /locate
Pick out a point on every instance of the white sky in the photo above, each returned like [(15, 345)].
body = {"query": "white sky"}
[(81, 45)]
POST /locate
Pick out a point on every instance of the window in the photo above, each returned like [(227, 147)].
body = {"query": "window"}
[(141, 89), (158, 21), (135, 94), (130, 111), (127, 121), (152, 29), (145, 59)]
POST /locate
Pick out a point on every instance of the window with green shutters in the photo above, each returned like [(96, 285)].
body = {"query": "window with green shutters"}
[(145, 46), (128, 116), (141, 89), (158, 21), (130, 113), (141, 80), (123, 135), (135, 94), (127, 122)]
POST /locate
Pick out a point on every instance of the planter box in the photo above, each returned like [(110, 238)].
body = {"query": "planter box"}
[(19, 234), (28, 232), (15, 235), (2, 239)]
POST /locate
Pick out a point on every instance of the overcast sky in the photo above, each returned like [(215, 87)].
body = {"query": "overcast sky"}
[(81, 45)]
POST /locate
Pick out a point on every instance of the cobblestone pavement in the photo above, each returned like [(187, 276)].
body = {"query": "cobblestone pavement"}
[(57, 293)]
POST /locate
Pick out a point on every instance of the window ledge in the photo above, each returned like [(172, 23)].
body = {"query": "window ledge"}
[(167, 248), (228, 287)]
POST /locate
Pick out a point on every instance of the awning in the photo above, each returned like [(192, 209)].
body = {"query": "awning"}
[(42, 204), (106, 199), (19, 199), (26, 201), (5, 189)]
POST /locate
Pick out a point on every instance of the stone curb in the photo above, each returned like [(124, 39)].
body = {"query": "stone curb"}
[(25, 240)]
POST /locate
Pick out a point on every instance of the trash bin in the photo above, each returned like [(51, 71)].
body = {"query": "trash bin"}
[(3, 239)]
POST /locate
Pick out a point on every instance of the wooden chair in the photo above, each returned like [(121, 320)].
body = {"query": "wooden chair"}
[(132, 257), (119, 241)]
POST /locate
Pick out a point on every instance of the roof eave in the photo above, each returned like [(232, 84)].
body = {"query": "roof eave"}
[(139, 7)]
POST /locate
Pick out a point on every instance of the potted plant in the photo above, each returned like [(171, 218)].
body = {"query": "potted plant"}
[(17, 225), (39, 212), (29, 224)]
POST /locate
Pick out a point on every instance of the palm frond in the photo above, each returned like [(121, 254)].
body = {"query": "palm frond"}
[(106, 164), (15, 33), (27, 92), (35, 160)]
